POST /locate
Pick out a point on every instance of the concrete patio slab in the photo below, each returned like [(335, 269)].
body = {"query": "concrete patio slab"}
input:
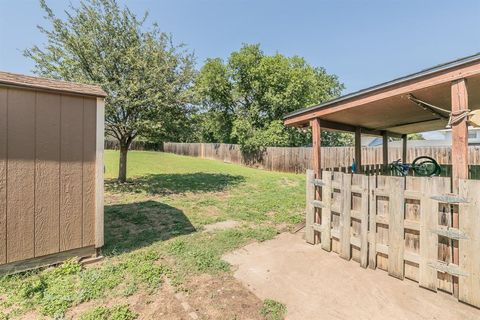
[(315, 284)]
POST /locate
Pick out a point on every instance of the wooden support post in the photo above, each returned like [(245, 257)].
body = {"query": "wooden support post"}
[(358, 149), (459, 97), (316, 150), (316, 166), (385, 151), (459, 134), (404, 148)]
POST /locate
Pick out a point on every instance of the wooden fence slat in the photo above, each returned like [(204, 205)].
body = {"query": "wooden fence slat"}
[(396, 244), (310, 210), (469, 255), (345, 219), (326, 240), (427, 276), (364, 223), (298, 159), (372, 257)]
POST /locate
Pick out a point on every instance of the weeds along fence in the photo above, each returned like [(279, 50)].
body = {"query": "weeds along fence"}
[(298, 159)]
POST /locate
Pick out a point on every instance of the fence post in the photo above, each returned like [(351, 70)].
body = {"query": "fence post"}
[(310, 210)]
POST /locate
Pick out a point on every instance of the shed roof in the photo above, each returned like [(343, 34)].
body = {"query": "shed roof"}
[(13, 79), (386, 106)]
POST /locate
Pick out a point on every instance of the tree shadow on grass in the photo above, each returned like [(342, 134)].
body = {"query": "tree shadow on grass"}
[(176, 183), (135, 225)]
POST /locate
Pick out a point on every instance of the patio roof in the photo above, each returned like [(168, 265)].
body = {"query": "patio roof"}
[(387, 106)]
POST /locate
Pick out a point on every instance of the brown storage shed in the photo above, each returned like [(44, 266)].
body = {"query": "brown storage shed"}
[(51, 171)]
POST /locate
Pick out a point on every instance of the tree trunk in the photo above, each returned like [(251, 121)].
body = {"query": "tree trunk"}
[(122, 168)]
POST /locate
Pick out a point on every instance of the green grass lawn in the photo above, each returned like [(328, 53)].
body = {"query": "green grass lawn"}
[(153, 232)]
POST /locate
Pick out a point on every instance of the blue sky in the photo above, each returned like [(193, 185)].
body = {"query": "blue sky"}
[(363, 42)]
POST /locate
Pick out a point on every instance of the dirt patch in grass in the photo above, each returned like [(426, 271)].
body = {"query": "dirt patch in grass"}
[(223, 225), (208, 297), (222, 297), (161, 305)]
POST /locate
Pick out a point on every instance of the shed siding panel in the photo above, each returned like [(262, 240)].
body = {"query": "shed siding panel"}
[(89, 158), (20, 175), (71, 173), (47, 171), (3, 175)]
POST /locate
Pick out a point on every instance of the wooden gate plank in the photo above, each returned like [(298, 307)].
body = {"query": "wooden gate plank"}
[(429, 211), (364, 223), (310, 214), (326, 240), (337, 209), (469, 255), (396, 242), (345, 217), (372, 239)]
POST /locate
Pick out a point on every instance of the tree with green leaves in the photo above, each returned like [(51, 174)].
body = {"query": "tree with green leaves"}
[(147, 77), (244, 99)]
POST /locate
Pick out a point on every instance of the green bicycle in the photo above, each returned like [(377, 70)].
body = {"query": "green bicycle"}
[(422, 166)]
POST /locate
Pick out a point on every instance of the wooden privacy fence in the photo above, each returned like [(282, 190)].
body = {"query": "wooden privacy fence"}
[(135, 145), (298, 159), (402, 225)]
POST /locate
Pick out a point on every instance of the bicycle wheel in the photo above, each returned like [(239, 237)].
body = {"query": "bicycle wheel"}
[(426, 166), (397, 170)]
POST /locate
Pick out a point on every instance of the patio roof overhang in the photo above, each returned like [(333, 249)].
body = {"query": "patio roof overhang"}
[(387, 108)]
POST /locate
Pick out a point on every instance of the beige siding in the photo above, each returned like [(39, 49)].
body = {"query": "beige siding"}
[(20, 174), (47, 173), (89, 158), (3, 175), (71, 173)]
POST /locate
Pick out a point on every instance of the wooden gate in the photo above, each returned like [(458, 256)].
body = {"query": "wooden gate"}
[(402, 225)]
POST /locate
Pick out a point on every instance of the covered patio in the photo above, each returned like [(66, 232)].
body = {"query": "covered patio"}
[(391, 222)]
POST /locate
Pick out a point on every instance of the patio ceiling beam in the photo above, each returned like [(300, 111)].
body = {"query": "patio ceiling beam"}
[(401, 124), (347, 127)]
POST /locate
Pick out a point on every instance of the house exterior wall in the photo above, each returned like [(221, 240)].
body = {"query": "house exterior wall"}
[(48, 173)]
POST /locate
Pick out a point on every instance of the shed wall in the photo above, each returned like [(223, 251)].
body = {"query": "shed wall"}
[(47, 173)]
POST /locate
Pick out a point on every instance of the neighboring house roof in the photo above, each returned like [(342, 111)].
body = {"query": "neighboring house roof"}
[(20, 80)]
